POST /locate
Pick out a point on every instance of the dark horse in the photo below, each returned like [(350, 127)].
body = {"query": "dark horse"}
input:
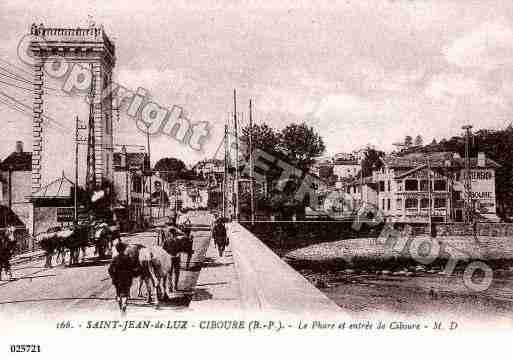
[(59, 240)]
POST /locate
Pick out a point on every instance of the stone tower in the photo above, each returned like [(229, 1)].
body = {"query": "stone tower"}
[(91, 49)]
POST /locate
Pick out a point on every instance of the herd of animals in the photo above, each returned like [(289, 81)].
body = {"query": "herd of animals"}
[(58, 241), (157, 266)]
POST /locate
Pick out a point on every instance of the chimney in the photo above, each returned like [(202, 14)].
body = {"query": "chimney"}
[(481, 159), (123, 157), (19, 146)]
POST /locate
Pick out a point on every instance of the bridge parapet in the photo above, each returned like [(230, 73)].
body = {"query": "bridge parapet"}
[(267, 283)]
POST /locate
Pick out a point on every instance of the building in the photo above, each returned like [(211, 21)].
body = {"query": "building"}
[(16, 185), (90, 51), (340, 167), (210, 170), (128, 185), (417, 186), (188, 194), (346, 166)]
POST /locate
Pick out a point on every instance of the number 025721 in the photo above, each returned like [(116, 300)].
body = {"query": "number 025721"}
[(25, 348)]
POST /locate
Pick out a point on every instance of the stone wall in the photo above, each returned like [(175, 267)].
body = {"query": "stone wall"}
[(482, 229)]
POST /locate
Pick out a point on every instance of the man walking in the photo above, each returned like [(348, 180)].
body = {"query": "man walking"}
[(220, 237), (172, 245)]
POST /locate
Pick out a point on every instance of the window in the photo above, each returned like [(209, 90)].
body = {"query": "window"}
[(411, 203), (388, 203), (440, 185), (382, 186), (411, 185), (439, 202), (383, 203), (424, 185), (136, 184), (399, 186), (388, 186), (399, 203), (424, 203)]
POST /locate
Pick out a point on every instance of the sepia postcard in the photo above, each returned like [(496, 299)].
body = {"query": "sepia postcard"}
[(305, 178)]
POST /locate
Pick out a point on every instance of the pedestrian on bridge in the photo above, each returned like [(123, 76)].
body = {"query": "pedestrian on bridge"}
[(219, 234), (173, 246)]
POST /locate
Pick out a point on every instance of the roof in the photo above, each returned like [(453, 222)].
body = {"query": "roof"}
[(59, 188), (134, 159), (214, 161), (17, 161), (366, 180), (436, 160), (346, 162)]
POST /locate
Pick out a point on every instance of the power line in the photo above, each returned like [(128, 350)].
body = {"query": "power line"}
[(16, 86), (29, 109), (20, 78), (14, 77), (16, 67), (31, 90)]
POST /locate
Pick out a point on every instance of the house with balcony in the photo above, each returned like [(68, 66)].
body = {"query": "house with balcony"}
[(419, 188)]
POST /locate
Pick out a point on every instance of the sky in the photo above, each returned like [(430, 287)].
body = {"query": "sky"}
[(360, 72)]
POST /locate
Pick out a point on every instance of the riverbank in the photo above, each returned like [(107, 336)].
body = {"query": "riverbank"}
[(405, 254), (364, 275)]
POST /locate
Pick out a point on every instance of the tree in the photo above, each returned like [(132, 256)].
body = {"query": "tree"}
[(371, 161), (419, 141), (301, 144), (408, 141), (263, 137), (171, 168)]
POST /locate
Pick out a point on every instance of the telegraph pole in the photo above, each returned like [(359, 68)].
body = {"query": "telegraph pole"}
[(429, 198), (225, 178), (251, 183), (236, 156), (468, 184), (91, 142), (124, 165), (149, 164), (75, 191)]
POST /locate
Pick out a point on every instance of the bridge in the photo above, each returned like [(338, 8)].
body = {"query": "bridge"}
[(249, 277)]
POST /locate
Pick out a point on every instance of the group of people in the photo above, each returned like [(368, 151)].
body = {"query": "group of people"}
[(7, 248), (174, 238)]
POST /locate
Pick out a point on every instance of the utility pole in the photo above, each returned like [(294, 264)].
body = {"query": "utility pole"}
[(225, 178), (251, 177), (75, 190), (91, 143), (429, 197), (149, 164), (10, 186), (236, 156), (124, 165), (468, 184)]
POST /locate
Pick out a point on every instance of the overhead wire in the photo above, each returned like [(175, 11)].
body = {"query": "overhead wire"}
[(20, 78), (29, 109)]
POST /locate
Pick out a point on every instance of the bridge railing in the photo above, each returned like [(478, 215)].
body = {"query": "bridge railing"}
[(269, 284)]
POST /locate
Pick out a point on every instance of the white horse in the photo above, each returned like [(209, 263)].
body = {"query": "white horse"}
[(155, 263)]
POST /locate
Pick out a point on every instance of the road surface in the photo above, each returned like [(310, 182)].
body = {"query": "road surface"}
[(48, 292)]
